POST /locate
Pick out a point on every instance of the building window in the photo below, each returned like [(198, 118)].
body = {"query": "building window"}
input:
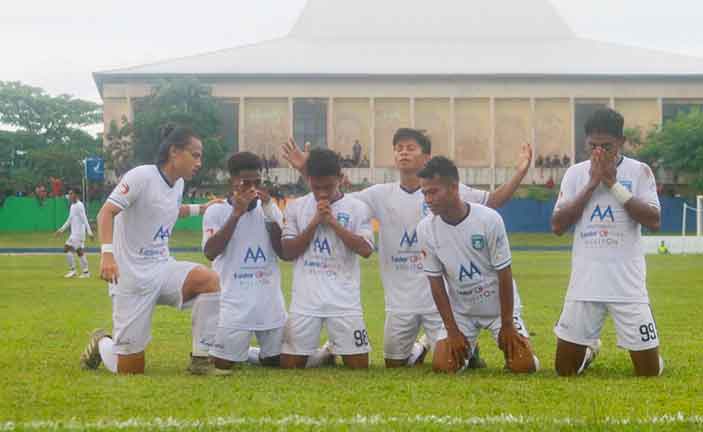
[(672, 108), (310, 122), (229, 125)]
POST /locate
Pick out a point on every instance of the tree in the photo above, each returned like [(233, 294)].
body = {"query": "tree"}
[(678, 146), (185, 102), (119, 151)]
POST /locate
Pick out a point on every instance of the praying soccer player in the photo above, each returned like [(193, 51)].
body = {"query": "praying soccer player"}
[(78, 222)]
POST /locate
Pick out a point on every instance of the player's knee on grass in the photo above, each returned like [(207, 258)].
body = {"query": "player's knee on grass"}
[(289, 361), (222, 363), (442, 361), (522, 360), (356, 361), (130, 364), (569, 358), (392, 363), (200, 280), (646, 363)]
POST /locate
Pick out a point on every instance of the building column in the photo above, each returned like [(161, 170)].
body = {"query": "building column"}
[(372, 139), (533, 136), (492, 140), (290, 120), (242, 124), (452, 130), (660, 103), (330, 122), (412, 112), (572, 104)]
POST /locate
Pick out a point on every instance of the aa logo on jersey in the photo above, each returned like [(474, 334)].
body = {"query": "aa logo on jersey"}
[(469, 273), (602, 214), (408, 240), (627, 184), (254, 256), (162, 233), (321, 246), (478, 241), (343, 218)]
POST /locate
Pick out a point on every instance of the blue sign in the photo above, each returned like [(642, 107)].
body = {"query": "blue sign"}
[(95, 169)]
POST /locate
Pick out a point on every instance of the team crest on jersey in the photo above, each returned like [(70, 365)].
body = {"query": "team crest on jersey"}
[(343, 219), (162, 233), (627, 184), (408, 240), (469, 273), (602, 214), (321, 246), (478, 242), (254, 256), (124, 188)]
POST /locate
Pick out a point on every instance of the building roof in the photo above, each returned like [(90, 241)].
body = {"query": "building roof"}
[(501, 38)]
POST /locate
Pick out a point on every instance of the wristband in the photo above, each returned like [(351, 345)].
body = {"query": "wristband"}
[(106, 248), (621, 194), (271, 213), (194, 209)]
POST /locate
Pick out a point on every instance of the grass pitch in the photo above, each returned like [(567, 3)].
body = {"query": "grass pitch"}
[(45, 320)]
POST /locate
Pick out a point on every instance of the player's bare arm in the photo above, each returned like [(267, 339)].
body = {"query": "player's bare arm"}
[(645, 214), (292, 248), (569, 212), (457, 343), (106, 218), (188, 210), (216, 244), (355, 242), (503, 194)]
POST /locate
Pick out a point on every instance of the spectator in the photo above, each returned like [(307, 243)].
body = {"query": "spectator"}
[(273, 163), (365, 162), (550, 183), (662, 249), (539, 162), (56, 186), (565, 161), (556, 163), (40, 193), (356, 153)]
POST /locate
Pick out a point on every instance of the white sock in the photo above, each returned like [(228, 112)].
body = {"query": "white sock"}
[(71, 261), (206, 311), (586, 358), (319, 357), (415, 354), (253, 355), (107, 354), (661, 366), (84, 263)]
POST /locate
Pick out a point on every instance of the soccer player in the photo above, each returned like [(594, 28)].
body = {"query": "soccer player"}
[(399, 207), (325, 233), (468, 263), (78, 222), (135, 224), (243, 237), (607, 199)]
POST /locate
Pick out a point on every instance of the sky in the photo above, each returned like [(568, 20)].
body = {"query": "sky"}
[(57, 45)]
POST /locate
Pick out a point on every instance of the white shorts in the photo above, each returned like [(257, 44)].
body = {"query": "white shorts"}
[(401, 331), (347, 334), (131, 313), (472, 326), (76, 243), (233, 344), (581, 323)]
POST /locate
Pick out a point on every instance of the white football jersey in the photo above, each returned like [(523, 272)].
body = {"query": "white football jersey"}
[(78, 221), (398, 212), (607, 263), (150, 207), (326, 278), (251, 297), (468, 255)]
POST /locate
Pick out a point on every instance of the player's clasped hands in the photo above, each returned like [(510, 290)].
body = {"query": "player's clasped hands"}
[(324, 212), (243, 198)]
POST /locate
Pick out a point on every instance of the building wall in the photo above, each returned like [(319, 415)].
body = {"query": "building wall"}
[(481, 123)]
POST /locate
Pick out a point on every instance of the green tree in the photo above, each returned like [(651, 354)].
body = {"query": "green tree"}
[(185, 102), (678, 146)]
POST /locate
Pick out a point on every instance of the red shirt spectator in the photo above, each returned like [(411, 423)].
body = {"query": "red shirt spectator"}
[(56, 186)]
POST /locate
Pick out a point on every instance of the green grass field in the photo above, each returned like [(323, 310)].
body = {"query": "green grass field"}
[(45, 321)]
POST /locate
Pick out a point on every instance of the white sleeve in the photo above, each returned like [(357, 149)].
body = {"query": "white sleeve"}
[(430, 261), (566, 190), (368, 197), (471, 195), (364, 228), (498, 245), (646, 189), (84, 219), (290, 225), (128, 190), (211, 223)]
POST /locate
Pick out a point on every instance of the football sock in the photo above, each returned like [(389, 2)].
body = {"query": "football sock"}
[(661, 366), (206, 311), (84, 263), (253, 355), (107, 354), (588, 356), (71, 261)]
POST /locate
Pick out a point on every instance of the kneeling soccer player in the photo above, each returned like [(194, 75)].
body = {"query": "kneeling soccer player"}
[(466, 245), (243, 237), (325, 232)]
